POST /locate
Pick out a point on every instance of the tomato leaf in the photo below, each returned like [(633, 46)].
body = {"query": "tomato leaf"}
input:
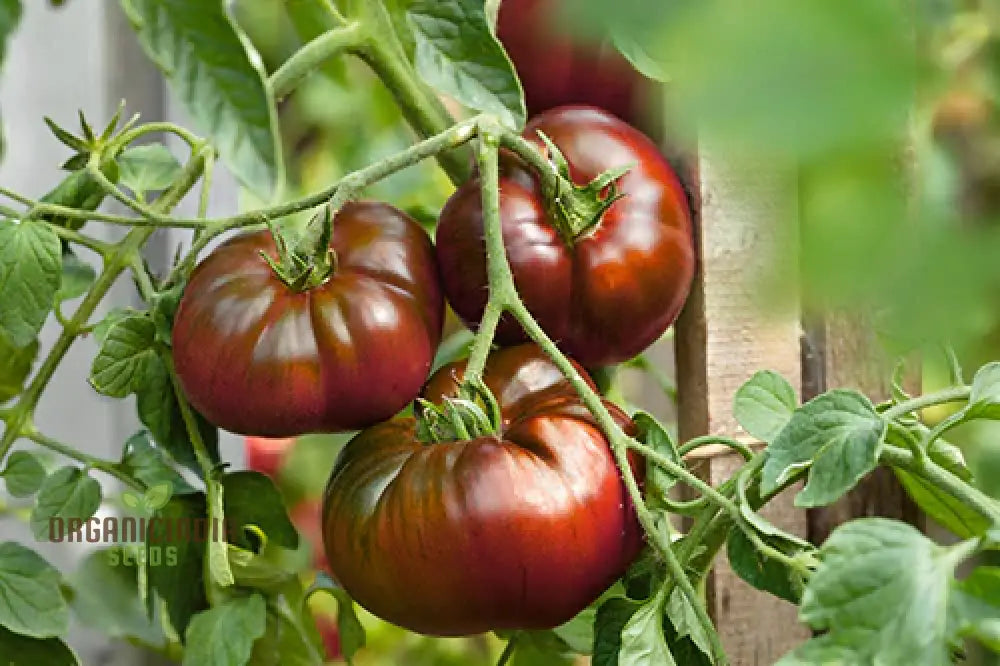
[(456, 53), (143, 460), (10, 16), (650, 432), (15, 366), (838, 435), (77, 276), (20, 650), (113, 316), (282, 644), (68, 493), (976, 606), (685, 622), (148, 168), (206, 60), (762, 572), (159, 411), (872, 568), (984, 398), (30, 601), (642, 639), (123, 364), (30, 271), (611, 618), (178, 580), (352, 634), (23, 474), (106, 597), (251, 498), (950, 513), (224, 635), (764, 405), (639, 57)]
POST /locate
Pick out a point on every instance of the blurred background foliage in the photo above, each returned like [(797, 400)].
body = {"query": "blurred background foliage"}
[(883, 114)]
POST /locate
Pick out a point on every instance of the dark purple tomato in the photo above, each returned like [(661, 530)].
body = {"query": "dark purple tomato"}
[(521, 529), (259, 358), (608, 293)]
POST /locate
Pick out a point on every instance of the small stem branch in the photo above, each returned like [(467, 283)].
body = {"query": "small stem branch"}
[(942, 478), (100, 247), (105, 466), (308, 58), (708, 440), (154, 128), (508, 651), (953, 394)]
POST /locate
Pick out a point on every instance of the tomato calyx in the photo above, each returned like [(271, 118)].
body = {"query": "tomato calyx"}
[(575, 209), (308, 261), (473, 413)]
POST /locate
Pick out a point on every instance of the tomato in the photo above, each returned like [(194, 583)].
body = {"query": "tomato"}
[(611, 291), (256, 357), (515, 530), (266, 455), (557, 67)]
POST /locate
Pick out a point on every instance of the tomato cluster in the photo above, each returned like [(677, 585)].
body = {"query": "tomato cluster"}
[(520, 525)]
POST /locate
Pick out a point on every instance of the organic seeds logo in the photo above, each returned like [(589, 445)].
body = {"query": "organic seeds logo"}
[(149, 536)]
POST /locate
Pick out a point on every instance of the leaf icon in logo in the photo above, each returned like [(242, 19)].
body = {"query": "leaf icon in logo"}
[(158, 495), (132, 500)]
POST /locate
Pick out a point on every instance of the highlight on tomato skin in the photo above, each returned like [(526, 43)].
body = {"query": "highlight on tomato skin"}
[(520, 529), (604, 295), (343, 355)]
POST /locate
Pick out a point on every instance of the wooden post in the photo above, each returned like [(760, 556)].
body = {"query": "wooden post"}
[(723, 337)]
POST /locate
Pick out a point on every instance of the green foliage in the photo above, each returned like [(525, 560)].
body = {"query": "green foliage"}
[(10, 16), (882, 590), (23, 474), (224, 635), (30, 272), (456, 52), (126, 358), (21, 650), (15, 365), (30, 601), (837, 435), (148, 168), (762, 572), (144, 461), (251, 499), (651, 433), (205, 59), (179, 583), (68, 493), (105, 596), (764, 405)]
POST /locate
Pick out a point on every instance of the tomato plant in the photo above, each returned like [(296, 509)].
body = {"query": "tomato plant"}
[(241, 335), (473, 534), (604, 282), (508, 492)]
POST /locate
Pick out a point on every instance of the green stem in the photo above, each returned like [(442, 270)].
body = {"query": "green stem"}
[(354, 182), (153, 128), (943, 479), (708, 440), (953, 394), (100, 247), (308, 58), (22, 413), (105, 466), (508, 651), (384, 53), (619, 441)]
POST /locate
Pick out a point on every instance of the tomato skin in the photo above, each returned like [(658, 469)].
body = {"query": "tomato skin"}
[(558, 68), (519, 530), (258, 358), (623, 281)]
